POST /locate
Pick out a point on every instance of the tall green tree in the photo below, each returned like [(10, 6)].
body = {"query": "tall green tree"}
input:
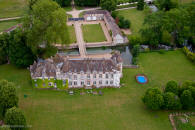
[(64, 3), (19, 53), (172, 86), (187, 99), (109, 5), (15, 117), (4, 38), (46, 25), (167, 5), (153, 28), (8, 97), (171, 101), (140, 5), (177, 24), (87, 2), (153, 98)]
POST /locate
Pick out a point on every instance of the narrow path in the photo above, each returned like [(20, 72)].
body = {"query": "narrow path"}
[(80, 41), (6, 19)]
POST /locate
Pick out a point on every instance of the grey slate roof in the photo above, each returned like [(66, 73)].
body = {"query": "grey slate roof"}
[(48, 68)]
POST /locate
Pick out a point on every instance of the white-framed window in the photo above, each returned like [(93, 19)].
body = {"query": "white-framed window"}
[(107, 76), (94, 82), (111, 82), (88, 82), (82, 82), (100, 82), (75, 77), (75, 83), (112, 75), (106, 82), (100, 75)]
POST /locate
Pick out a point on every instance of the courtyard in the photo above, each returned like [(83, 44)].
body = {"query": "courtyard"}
[(93, 33), (116, 109)]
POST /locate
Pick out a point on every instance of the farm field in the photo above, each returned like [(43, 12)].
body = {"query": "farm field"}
[(116, 109), (93, 33)]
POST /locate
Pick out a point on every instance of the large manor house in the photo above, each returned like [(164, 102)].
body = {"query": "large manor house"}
[(80, 72)]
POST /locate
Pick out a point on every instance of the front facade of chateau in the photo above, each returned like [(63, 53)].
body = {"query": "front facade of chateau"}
[(78, 72)]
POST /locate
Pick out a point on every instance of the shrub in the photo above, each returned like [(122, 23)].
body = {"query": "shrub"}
[(134, 40), (8, 97), (140, 5), (135, 50), (186, 86), (173, 87), (15, 117), (189, 54), (171, 101), (134, 60), (153, 99), (187, 100)]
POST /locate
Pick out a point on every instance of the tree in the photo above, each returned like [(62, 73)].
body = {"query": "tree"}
[(109, 5), (63, 3), (4, 38), (19, 53), (186, 99), (166, 37), (167, 4), (15, 117), (186, 86), (134, 40), (154, 27), (153, 98), (136, 50), (171, 101), (177, 25), (140, 5), (87, 2), (173, 87), (45, 25), (8, 97)]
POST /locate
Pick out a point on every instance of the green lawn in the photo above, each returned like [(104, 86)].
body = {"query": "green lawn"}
[(7, 24), (12, 8), (93, 33), (72, 34), (136, 17), (120, 109)]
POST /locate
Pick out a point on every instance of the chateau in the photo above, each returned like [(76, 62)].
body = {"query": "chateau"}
[(79, 72)]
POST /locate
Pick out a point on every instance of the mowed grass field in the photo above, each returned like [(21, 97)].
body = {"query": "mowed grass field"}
[(136, 17), (72, 34), (117, 109), (7, 24), (93, 33), (12, 8)]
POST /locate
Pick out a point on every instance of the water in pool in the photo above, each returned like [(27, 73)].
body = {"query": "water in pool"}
[(141, 79)]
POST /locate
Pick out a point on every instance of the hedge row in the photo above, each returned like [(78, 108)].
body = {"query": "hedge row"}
[(189, 54)]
